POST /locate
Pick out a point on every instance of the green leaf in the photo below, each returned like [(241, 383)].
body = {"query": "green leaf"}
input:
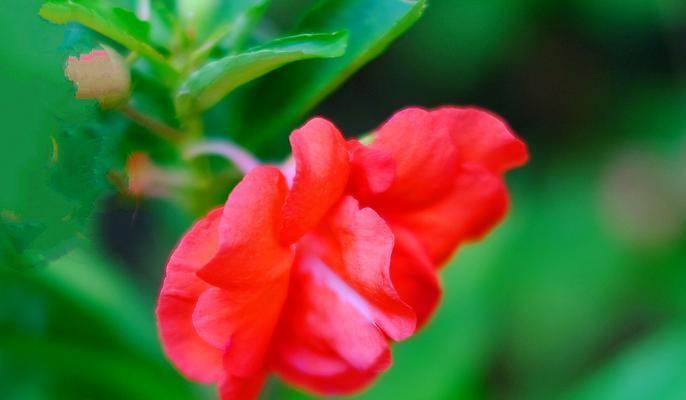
[(207, 17), (197, 14), (234, 23), (242, 15), (205, 87), (116, 23), (287, 95)]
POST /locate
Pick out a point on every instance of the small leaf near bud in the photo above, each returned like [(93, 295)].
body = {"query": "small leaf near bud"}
[(101, 74)]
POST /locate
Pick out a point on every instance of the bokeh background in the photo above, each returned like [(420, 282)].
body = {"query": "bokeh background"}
[(579, 294)]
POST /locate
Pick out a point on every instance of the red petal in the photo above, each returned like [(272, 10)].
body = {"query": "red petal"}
[(357, 245), (425, 157), (250, 271), (242, 322), (347, 380), (196, 358), (327, 340), (235, 388), (250, 253), (342, 304), (321, 176), (372, 170), (477, 201), (483, 138), (414, 275)]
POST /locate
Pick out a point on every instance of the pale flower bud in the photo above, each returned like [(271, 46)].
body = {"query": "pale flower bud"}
[(150, 180), (100, 74)]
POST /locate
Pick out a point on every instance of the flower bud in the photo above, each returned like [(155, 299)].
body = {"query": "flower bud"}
[(101, 74), (146, 179)]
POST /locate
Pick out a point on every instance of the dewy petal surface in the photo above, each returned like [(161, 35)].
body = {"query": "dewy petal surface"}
[(321, 176), (181, 289)]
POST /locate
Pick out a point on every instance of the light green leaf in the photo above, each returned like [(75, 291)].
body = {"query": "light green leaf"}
[(286, 96), (208, 17), (116, 23), (233, 26), (214, 80), (242, 16)]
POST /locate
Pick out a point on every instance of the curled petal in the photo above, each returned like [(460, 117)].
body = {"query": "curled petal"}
[(321, 175), (250, 272), (347, 380), (372, 170), (241, 322), (425, 157), (327, 333), (356, 244), (252, 337), (250, 253), (342, 305), (414, 275), (214, 317), (195, 357), (475, 203), (483, 138)]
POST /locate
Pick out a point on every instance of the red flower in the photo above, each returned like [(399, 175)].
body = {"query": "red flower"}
[(312, 279)]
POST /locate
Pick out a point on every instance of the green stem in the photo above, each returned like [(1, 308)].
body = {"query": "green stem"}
[(154, 126)]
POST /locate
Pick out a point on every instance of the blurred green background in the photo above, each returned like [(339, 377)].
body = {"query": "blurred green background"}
[(580, 294)]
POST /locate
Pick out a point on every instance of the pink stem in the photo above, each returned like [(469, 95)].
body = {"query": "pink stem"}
[(239, 157)]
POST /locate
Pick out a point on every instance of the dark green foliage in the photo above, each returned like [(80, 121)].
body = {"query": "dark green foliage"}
[(274, 106)]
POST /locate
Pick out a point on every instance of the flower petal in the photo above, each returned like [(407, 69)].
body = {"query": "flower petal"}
[(250, 254), (250, 272), (242, 321), (475, 203), (414, 275), (372, 170), (342, 305), (344, 382), (181, 289), (321, 176), (236, 388), (425, 157), (327, 333), (483, 138), (356, 246)]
